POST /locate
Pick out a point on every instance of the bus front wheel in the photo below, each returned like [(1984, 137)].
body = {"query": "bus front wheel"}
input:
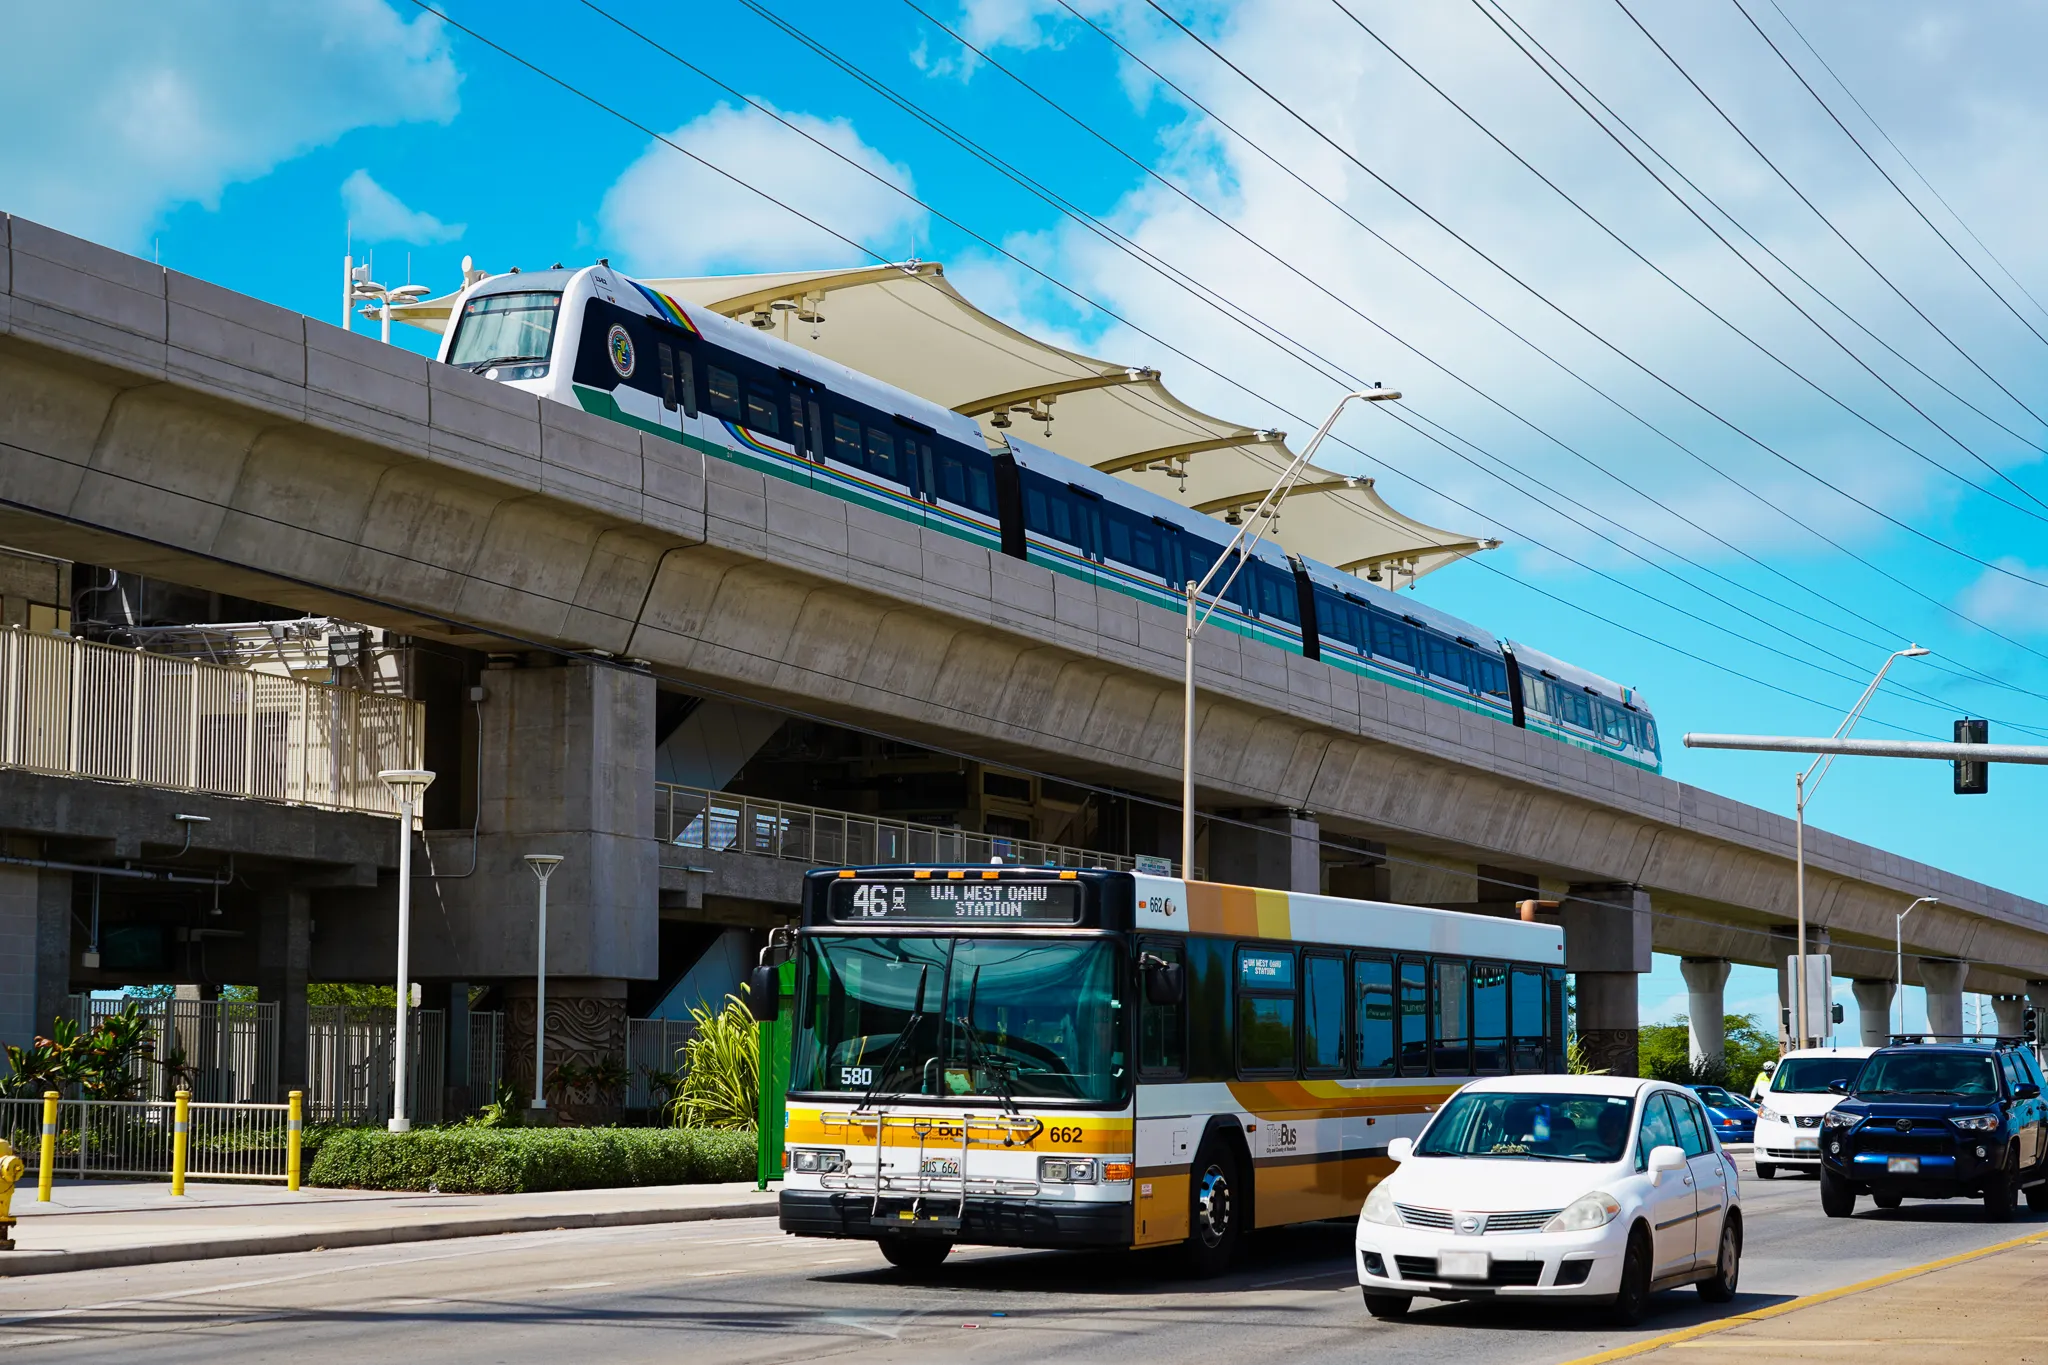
[(1215, 1209)]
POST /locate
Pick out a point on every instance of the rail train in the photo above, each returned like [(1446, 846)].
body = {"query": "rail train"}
[(611, 345)]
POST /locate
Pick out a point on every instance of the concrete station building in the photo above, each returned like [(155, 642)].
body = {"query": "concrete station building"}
[(254, 558)]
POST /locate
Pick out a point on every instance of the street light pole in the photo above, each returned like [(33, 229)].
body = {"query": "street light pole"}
[(1801, 794), (1254, 525), (408, 784), (543, 865), (1899, 950)]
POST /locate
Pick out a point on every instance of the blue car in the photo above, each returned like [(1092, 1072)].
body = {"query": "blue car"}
[(1734, 1117)]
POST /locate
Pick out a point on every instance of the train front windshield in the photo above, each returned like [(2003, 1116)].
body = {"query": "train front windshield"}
[(956, 1017), (500, 328)]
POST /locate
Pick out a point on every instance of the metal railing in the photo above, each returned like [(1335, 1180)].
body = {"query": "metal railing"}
[(653, 1045), (223, 1051), (349, 1050), (720, 822), (133, 1138), (81, 709)]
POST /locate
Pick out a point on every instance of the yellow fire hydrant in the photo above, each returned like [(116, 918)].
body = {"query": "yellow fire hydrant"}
[(12, 1168)]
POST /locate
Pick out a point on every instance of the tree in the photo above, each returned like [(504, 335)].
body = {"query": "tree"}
[(1665, 1053)]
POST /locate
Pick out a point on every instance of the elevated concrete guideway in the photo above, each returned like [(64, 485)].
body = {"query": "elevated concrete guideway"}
[(155, 423)]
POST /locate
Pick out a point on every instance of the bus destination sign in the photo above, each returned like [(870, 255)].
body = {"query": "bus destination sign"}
[(955, 902)]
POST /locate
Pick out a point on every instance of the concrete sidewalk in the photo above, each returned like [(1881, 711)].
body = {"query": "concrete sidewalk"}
[(93, 1224), (1980, 1306)]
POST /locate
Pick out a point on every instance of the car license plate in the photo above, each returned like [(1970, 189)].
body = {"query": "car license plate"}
[(1806, 1144), (1902, 1165), (1463, 1265)]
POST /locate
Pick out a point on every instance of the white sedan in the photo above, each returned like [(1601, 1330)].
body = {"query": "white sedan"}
[(1567, 1187)]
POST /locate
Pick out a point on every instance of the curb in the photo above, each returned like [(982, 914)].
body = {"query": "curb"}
[(283, 1243)]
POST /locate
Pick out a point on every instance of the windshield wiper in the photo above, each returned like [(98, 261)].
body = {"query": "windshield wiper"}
[(480, 366), (909, 1026), (979, 1053)]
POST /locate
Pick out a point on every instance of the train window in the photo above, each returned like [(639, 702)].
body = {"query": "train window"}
[(1372, 979), (882, 455), (686, 382), (1489, 674), (799, 434), (1453, 1017), (1614, 723), (1145, 554), (1525, 1019), (846, 441), (1265, 1011), (1573, 707), (1050, 511), (1278, 600), (1322, 1015), (725, 392), (1413, 999), (668, 375), (1392, 639), (763, 412), (1119, 533), (1489, 1018)]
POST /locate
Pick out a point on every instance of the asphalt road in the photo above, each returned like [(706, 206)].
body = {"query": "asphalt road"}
[(740, 1292)]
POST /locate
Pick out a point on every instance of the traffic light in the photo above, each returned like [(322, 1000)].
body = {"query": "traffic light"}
[(1972, 778)]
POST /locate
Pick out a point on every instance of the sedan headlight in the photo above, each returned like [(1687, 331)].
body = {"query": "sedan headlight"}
[(1835, 1118), (1379, 1207), (1976, 1123), (1588, 1211)]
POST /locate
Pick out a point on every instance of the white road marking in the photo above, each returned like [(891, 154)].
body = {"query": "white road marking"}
[(587, 1284)]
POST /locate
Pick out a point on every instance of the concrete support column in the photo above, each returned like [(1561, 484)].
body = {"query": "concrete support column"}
[(1706, 982), (2011, 1011), (53, 947), (1607, 948), (1943, 978), (1874, 1000), (1283, 853), (586, 1025), (18, 1002), (284, 950)]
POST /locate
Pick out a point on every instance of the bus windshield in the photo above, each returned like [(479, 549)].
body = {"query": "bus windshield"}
[(497, 328), (957, 1017)]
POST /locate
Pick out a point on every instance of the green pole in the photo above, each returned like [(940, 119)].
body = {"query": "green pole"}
[(775, 1034)]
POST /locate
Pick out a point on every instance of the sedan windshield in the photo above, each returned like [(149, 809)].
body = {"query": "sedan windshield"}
[(1930, 1073), (505, 327), (1813, 1075), (952, 1017), (1589, 1128)]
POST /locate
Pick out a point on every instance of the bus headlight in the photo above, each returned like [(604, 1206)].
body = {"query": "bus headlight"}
[(1066, 1170), (817, 1161)]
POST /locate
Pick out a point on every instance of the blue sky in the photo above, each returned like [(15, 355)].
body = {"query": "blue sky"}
[(252, 143)]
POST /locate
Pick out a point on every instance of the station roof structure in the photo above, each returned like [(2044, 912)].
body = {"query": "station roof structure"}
[(908, 326)]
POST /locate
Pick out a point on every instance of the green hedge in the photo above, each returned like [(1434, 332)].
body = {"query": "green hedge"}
[(516, 1160)]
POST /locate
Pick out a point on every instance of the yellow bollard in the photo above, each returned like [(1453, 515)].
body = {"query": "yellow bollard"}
[(181, 1136), (295, 1126), (46, 1168)]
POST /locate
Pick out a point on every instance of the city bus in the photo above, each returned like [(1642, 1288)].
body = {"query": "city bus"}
[(1042, 1057)]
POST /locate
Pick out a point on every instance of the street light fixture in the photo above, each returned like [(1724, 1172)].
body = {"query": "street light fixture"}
[(408, 784), (1899, 949), (1254, 525), (1801, 793), (543, 865), (362, 289)]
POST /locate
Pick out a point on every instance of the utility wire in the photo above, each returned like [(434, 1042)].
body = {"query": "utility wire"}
[(1662, 381), (1875, 165)]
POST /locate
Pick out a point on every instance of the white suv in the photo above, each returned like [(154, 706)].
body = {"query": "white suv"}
[(1790, 1108), (1579, 1187)]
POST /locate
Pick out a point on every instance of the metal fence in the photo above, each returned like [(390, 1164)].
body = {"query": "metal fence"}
[(223, 1051), (132, 1138), (348, 1063), (720, 822), (82, 709), (653, 1045)]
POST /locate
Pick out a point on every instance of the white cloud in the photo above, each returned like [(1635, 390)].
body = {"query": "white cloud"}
[(375, 214), (1998, 599), (187, 99), (667, 215)]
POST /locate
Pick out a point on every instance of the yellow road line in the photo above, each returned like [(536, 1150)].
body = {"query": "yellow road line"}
[(1707, 1329)]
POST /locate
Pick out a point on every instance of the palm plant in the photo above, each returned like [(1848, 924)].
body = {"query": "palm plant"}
[(721, 1066)]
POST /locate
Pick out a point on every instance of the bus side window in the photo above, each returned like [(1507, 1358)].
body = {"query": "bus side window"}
[(1555, 1046), (1162, 1029), (1265, 1012), (1210, 1054), (1453, 1017), (1525, 1019), (1322, 1015), (1373, 983), (1489, 1018), (1414, 1002)]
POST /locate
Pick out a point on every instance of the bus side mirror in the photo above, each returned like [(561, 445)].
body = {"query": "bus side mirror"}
[(764, 992), (1166, 983)]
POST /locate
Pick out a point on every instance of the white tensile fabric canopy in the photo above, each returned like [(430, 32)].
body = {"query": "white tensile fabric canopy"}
[(907, 326)]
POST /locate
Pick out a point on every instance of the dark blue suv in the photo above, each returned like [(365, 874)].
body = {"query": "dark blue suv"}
[(1938, 1120)]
